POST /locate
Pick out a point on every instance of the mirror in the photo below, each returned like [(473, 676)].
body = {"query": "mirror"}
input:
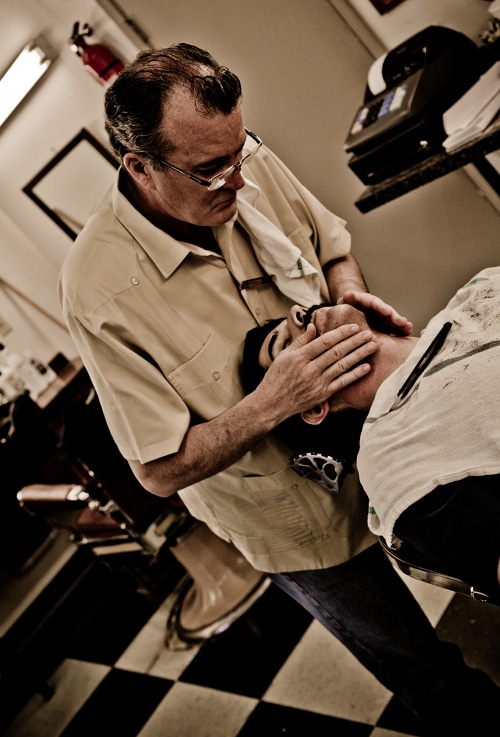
[(69, 187)]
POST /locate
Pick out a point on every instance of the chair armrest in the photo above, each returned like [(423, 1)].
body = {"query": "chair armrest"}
[(37, 497)]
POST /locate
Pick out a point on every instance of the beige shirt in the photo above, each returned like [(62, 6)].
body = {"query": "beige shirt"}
[(160, 325)]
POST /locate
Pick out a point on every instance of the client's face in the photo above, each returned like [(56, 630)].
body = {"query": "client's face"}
[(324, 317)]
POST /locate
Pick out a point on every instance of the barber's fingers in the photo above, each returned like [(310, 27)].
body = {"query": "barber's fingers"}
[(346, 355), (320, 362), (339, 352), (345, 372), (312, 347), (301, 377), (389, 320)]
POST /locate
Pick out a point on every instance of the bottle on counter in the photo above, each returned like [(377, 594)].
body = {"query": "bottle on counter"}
[(23, 372)]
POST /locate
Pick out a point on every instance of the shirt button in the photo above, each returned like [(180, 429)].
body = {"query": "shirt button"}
[(135, 280), (295, 487), (257, 310), (216, 376)]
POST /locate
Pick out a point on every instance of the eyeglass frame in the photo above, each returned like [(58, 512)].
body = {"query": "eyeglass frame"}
[(224, 175)]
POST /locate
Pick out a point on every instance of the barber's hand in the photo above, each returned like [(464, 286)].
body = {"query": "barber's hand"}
[(381, 316), (311, 369)]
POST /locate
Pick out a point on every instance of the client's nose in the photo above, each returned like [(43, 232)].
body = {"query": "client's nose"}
[(297, 315)]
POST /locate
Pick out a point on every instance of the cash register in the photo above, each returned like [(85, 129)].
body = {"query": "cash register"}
[(400, 122)]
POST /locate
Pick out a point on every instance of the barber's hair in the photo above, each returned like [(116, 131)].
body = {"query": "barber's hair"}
[(134, 103), (337, 435)]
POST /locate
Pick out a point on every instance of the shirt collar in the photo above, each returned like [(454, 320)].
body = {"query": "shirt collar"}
[(164, 250)]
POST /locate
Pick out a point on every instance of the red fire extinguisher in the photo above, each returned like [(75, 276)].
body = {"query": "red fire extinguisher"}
[(97, 59)]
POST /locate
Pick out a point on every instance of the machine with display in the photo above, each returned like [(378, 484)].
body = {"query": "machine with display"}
[(400, 122)]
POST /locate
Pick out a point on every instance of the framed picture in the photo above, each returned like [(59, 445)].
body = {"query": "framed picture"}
[(383, 6), (69, 187)]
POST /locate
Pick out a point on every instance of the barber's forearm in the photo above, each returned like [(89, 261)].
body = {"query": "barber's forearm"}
[(207, 449), (342, 275), (305, 374)]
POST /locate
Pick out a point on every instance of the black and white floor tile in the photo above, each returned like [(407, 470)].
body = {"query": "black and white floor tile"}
[(273, 673)]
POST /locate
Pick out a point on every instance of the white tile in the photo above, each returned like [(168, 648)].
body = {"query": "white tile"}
[(194, 711), (73, 683), (433, 599), (321, 675), (148, 653)]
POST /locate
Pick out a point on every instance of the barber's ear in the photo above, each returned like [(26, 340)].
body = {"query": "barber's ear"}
[(317, 414), (138, 170)]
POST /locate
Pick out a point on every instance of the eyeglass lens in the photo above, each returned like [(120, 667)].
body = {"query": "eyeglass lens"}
[(220, 179)]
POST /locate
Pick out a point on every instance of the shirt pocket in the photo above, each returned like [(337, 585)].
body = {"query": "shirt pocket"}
[(208, 382), (281, 505)]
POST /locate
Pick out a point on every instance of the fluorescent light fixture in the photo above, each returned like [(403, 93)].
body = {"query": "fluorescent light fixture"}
[(23, 74)]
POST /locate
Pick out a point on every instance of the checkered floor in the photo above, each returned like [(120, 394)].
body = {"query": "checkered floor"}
[(274, 673)]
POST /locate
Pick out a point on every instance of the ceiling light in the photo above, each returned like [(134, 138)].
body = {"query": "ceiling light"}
[(23, 74)]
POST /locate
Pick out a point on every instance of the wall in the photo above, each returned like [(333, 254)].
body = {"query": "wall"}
[(66, 100), (303, 70), (410, 16)]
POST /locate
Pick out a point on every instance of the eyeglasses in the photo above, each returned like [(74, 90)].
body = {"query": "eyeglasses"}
[(220, 179)]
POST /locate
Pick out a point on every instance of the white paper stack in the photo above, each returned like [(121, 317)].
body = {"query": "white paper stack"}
[(474, 111)]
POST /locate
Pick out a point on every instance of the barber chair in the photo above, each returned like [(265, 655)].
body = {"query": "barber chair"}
[(109, 511), (414, 565)]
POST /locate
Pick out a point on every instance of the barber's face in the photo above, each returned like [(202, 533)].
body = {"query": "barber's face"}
[(204, 146), (324, 317)]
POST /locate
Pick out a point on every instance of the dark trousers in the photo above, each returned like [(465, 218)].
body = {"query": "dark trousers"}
[(366, 605)]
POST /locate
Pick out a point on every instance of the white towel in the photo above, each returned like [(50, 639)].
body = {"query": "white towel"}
[(294, 276)]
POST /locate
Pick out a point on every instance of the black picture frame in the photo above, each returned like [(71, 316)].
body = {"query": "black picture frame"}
[(72, 182)]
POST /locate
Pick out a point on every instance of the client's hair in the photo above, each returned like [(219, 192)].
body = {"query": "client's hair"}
[(251, 371)]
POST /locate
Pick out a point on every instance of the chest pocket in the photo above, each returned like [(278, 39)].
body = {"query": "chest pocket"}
[(208, 381), (196, 361)]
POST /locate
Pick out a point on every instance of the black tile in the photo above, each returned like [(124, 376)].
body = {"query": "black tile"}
[(123, 612), (121, 705), (475, 627), (246, 658), (272, 720), (398, 718)]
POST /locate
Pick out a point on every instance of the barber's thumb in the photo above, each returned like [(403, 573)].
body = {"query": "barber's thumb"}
[(307, 337)]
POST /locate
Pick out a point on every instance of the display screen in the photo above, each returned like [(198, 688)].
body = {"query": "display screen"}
[(389, 103)]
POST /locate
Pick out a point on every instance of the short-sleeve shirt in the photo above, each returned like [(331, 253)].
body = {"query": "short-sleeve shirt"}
[(160, 326)]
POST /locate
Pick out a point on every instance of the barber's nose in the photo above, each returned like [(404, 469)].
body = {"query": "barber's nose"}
[(236, 180)]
